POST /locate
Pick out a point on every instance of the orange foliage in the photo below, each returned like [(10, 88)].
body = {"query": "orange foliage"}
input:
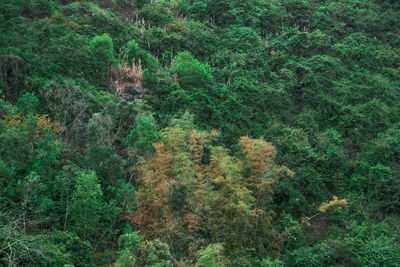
[(335, 202), (12, 121), (258, 154), (190, 221), (44, 122), (144, 218), (179, 194), (197, 144), (102, 11)]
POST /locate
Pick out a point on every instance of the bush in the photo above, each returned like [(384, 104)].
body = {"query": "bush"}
[(102, 50), (135, 251), (191, 73), (28, 103), (156, 14), (211, 256)]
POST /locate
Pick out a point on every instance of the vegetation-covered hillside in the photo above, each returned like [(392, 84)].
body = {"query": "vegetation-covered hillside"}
[(200, 133)]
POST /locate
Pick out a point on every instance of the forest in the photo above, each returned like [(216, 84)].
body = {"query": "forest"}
[(206, 133)]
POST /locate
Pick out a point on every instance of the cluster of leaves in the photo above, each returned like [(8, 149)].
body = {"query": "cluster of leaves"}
[(185, 176)]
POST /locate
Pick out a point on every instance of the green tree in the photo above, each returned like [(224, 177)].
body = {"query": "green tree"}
[(102, 50), (144, 134), (191, 73), (87, 203), (211, 256), (28, 103), (135, 250)]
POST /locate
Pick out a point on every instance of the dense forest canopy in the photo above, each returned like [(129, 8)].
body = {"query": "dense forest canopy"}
[(199, 133)]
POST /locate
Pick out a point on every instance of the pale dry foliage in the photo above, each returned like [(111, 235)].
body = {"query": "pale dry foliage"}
[(175, 76), (335, 202), (133, 18), (324, 207), (125, 75), (141, 24)]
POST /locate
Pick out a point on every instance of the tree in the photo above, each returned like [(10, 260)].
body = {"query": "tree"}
[(191, 73), (188, 186), (68, 103), (156, 14), (102, 49), (135, 250), (18, 248), (86, 205), (144, 134), (28, 103), (211, 256)]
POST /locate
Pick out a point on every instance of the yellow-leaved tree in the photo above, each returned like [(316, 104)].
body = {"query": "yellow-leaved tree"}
[(192, 193)]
